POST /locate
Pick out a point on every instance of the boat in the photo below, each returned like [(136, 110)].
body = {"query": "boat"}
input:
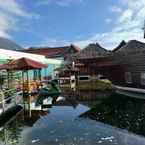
[(130, 92), (45, 93)]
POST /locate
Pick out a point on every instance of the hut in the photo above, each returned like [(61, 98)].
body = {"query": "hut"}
[(132, 57), (88, 59), (123, 66)]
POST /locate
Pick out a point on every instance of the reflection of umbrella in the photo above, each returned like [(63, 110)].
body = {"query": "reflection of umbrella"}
[(23, 64)]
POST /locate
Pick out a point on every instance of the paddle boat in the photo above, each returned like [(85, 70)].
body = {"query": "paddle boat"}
[(48, 95)]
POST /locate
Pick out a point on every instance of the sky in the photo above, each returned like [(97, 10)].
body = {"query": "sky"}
[(64, 22)]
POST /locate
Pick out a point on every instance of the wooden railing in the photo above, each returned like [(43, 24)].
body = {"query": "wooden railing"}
[(8, 101)]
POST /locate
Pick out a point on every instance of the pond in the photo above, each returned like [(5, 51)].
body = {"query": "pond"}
[(116, 120)]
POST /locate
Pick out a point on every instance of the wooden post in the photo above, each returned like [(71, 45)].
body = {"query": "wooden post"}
[(39, 74), (2, 99), (8, 77), (29, 106), (29, 96), (73, 82), (23, 83)]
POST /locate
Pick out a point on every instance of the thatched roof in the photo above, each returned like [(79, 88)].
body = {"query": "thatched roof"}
[(132, 46), (122, 43), (92, 51)]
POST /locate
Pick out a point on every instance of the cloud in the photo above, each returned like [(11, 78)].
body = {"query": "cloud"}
[(108, 20), (12, 7), (126, 16), (53, 42), (10, 13), (7, 23), (129, 23), (115, 9)]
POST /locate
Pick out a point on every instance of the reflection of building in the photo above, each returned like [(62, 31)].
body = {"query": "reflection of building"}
[(10, 133), (122, 112)]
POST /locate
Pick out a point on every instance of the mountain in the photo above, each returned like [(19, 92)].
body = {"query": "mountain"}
[(9, 44)]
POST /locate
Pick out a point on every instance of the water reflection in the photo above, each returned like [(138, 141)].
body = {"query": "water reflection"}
[(123, 112), (10, 133), (79, 121)]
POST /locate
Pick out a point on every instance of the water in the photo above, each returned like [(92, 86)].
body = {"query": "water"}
[(111, 121)]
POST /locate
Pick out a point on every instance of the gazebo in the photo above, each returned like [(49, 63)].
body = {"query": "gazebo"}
[(23, 64)]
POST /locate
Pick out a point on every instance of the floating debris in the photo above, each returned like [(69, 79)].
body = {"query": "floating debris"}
[(75, 138), (35, 140), (107, 138), (52, 131), (56, 139), (100, 141)]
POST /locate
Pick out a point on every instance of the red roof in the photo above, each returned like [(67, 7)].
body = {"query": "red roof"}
[(52, 52), (23, 64)]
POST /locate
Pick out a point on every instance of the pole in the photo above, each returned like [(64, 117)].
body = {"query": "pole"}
[(39, 73), (29, 96), (8, 78), (23, 89), (2, 99)]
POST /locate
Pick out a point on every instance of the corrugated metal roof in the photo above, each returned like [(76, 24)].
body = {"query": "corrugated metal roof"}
[(17, 55)]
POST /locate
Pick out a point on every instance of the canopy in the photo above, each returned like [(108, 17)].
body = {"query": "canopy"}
[(17, 55), (23, 64), (4, 58)]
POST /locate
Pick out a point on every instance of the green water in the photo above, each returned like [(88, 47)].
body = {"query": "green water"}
[(111, 121)]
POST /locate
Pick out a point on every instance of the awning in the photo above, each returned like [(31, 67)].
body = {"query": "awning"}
[(4, 58)]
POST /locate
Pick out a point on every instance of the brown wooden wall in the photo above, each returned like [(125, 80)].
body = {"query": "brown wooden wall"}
[(133, 62)]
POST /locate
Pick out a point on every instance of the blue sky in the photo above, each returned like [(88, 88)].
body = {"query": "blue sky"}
[(62, 22)]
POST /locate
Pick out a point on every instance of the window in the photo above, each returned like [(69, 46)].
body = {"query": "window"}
[(128, 77), (83, 78), (143, 78)]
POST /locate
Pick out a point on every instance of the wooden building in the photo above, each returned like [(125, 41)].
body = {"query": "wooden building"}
[(88, 59), (132, 58), (124, 66)]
